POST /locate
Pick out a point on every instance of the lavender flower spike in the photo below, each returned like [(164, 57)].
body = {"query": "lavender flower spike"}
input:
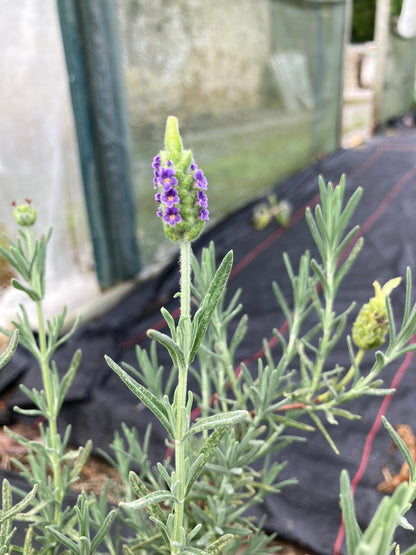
[(180, 184)]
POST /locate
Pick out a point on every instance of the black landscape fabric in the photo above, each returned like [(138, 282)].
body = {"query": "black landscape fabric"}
[(309, 512)]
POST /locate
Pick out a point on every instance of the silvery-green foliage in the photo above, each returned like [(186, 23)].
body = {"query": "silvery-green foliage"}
[(52, 467), (220, 438), (228, 481), (379, 535), (10, 512)]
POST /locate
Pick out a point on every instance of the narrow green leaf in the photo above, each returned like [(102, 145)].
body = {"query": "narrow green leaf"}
[(10, 350), (387, 518), (154, 498), (146, 396), (315, 232), (71, 332), (218, 420), (219, 544), (352, 530), (342, 271), (27, 412), (169, 320), (319, 274), (239, 334), (154, 510), (109, 519), (27, 547), (323, 431), (203, 314), (322, 226), (176, 353), (291, 422), (282, 302), (64, 540), (408, 295), (17, 262), (82, 459), (349, 208), (10, 512), (401, 446), (342, 245), (404, 523), (204, 455), (30, 292), (69, 375)]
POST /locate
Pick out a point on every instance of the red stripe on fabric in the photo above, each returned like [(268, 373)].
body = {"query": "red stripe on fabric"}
[(371, 437)]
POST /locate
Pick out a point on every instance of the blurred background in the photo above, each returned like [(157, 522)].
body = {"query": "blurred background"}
[(262, 88)]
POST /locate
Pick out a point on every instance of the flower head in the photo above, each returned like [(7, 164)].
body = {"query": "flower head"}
[(371, 325), (24, 214), (180, 185)]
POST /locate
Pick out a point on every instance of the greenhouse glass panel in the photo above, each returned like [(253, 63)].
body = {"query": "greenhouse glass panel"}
[(38, 151), (256, 86)]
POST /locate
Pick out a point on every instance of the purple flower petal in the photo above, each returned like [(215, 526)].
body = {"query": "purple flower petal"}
[(170, 197), (172, 216), (204, 214), (156, 162), (201, 180), (202, 199), (167, 178)]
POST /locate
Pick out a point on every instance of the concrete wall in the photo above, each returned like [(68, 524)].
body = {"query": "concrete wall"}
[(192, 57)]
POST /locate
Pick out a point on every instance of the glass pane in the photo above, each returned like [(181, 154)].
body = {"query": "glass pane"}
[(38, 150), (256, 86)]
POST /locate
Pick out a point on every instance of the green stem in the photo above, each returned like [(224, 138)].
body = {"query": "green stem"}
[(350, 374), (346, 379), (327, 325), (46, 379), (185, 269), (181, 395), (52, 416)]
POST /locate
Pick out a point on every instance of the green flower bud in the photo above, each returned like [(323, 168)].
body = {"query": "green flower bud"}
[(24, 214), (371, 325), (181, 187)]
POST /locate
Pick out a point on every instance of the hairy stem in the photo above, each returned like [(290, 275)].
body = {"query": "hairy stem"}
[(181, 395)]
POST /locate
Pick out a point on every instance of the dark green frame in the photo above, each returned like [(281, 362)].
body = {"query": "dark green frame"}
[(89, 33)]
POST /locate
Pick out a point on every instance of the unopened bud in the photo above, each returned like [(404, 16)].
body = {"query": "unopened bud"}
[(371, 325), (24, 214)]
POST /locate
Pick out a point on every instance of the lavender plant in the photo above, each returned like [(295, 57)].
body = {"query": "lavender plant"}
[(200, 501), (27, 255), (221, 437)]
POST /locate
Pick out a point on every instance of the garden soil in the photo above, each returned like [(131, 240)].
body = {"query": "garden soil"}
[(307, 514)]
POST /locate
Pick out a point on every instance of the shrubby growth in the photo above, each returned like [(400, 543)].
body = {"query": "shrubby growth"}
[(220, 437)]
